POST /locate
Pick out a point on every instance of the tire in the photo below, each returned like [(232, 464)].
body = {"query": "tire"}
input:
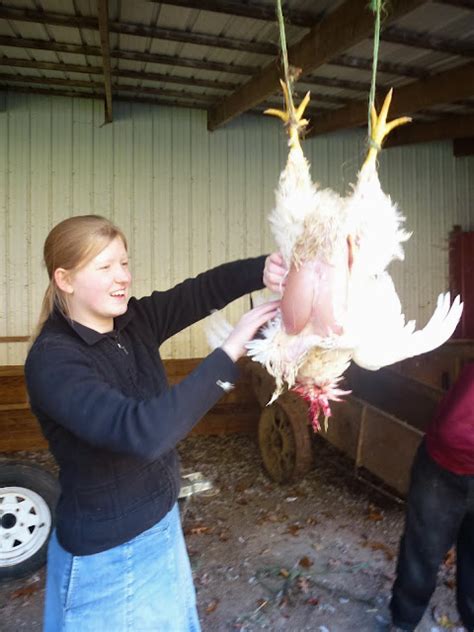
[(28, 496), (285, 440)]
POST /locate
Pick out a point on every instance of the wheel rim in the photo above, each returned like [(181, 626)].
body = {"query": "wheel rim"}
[(25, 523), (277, 443)]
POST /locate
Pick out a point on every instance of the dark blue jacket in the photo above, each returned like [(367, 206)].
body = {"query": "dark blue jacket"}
[(111, 419)]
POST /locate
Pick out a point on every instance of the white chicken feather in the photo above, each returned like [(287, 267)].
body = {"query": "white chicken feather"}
[(340, 303)]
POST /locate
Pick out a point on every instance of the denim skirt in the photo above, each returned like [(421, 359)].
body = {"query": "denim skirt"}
[(144, 584)]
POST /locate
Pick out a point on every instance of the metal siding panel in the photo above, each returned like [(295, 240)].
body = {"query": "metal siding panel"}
[(82, 163), (40, 163), (181, 193), (140, 239), (102, 193), (4, 204), (199, 216), (61, 160), (161, 183), (17, 228), (122, 128)]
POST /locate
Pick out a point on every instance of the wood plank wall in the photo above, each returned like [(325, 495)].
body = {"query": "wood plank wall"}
[(237, 412)]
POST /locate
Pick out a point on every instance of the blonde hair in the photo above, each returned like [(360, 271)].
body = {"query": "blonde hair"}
[(71, 244)]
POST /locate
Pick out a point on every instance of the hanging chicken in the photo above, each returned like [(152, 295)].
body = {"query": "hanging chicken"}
[(339, 302)]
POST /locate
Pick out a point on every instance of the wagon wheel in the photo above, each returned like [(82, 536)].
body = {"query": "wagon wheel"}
[(285, 443)]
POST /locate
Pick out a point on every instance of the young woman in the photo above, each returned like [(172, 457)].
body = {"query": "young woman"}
[(117, 559)]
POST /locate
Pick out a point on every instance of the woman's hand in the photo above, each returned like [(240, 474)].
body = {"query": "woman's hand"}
[(275, 272), (247, 327)]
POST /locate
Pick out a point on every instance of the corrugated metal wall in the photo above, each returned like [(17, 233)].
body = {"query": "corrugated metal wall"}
[(188, 199)]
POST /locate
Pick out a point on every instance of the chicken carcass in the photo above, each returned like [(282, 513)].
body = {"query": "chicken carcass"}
[(339, 303)]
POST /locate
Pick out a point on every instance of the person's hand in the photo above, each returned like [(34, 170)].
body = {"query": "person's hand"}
[(275, 272), (247, 327)]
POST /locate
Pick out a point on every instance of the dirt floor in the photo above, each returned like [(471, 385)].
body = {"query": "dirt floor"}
[(317, 555)]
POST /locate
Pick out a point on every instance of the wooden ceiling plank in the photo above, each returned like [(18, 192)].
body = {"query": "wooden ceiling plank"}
[(349, 24), (103, 21), (451, 85), (448, 127), (154, 58)]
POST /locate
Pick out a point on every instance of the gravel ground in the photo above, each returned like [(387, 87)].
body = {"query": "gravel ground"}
[(317, 555)]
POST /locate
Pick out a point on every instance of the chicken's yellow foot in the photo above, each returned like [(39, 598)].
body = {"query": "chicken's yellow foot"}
[(291, 117), (380, 128)]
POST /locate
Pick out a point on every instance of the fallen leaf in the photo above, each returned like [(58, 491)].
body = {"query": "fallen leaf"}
[(26, 591), (212, 606), (374, 514), (198, 530), (306, 562), (224, 535), (380, 546), (313, 601), (303, 584), (294, 529)]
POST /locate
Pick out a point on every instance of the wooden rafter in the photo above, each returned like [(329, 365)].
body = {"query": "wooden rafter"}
[(139, 30), (154, 58), (100, 95), (389, 67), (103, 21), (429, 42), (128, 74), (462, 4), (451, 85), (448, 127), (97, 86), (349, 24), (247, 10)]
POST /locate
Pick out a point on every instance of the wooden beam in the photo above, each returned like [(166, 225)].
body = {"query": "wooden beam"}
[(463, 146), (139, 30), (331, 82), (445, 87), (99, 96), (153, 58), (119, 72), (391, 68), (96, 86), (462, 4), (349, 24), (460, 47), (247, 10), (103, 21), (9, 339), (445, 128)]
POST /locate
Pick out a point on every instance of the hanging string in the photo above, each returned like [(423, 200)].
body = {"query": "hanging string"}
[(284, 53), (376, 8)]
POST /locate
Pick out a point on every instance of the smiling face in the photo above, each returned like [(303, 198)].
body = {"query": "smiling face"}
[(98, 291)]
